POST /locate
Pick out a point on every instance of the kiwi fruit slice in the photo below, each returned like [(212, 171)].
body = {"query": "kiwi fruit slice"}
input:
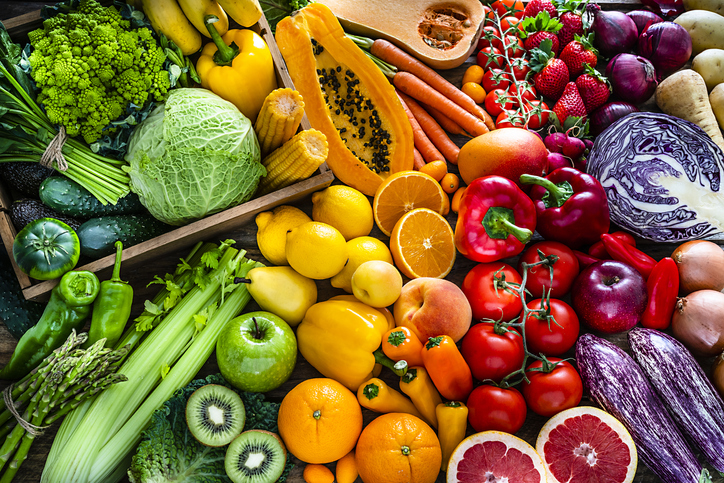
[(255, 456), (215, 415)]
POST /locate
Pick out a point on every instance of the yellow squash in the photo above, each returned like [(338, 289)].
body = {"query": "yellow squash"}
[(245, 12), (167, 17), (196, 10)]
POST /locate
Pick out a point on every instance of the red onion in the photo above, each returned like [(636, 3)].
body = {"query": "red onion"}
[(632, 77), (615, 32), (607, 114), (667, 8), (644, 18), (667, 45)]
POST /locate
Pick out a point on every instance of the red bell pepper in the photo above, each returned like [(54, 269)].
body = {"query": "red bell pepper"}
[(599, 251), (626, 253), (663, 288), (571, 206), (584, 259), (495, 221)]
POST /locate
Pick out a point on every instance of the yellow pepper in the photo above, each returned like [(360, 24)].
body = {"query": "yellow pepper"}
[(341, 338), (377, 396), (452, 420), (237, 67), (420, 388)]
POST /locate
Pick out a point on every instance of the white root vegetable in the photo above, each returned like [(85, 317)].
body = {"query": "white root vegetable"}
[(683, 94), (706, 29), (716, 99), (710, 65), (716, 6)]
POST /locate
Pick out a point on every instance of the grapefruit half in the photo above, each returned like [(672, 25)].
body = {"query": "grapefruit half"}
[(586, 444), (494, 456)]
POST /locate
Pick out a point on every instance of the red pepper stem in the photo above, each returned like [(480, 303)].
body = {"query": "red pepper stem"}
[(116, 277), (225, 54), (522, 234), (557, 195)]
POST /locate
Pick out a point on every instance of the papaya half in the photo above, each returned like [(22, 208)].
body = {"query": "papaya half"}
[(347, 98)]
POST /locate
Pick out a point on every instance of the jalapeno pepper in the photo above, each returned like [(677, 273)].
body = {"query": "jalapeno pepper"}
[(662, 287), (112, 307), (68, 308)]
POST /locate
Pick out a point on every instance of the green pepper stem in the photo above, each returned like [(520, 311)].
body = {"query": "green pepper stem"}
[(399, 369), (116, 277), (225, 54), (557, 194), (522, 234)]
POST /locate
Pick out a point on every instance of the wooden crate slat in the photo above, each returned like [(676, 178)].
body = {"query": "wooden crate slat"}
[(7, 233)]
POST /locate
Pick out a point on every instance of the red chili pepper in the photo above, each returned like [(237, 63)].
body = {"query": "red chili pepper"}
[(599, 251), (663, 288), (584, 260), (496, 219), (624, 252)]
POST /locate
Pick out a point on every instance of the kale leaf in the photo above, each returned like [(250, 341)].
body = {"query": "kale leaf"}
[(275, 10)]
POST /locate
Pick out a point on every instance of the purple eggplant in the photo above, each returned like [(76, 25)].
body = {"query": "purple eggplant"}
[(689, 396), (620, 387)]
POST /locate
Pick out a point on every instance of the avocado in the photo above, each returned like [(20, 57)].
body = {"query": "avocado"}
[(16, 313), (25, 210), (25, 176)]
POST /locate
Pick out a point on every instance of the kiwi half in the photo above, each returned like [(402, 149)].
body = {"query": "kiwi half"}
[(256, 456), (215, 415)]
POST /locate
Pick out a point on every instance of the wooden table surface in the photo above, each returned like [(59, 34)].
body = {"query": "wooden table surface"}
[(246, 239)]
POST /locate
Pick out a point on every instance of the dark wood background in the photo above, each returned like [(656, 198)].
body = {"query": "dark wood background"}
[(246, 239)]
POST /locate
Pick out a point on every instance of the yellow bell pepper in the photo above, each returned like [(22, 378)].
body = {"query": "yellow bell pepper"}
[(420, 388), (341, 338), (452, 418), (237, 67), (377, 396)]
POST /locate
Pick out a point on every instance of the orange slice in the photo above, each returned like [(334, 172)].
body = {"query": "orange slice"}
[(423, 244), (402, 192)]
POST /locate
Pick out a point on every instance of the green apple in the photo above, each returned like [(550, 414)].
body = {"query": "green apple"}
[(377, 283), (256, 352)]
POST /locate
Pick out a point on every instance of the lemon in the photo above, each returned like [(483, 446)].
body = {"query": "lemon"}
[(361, 249), (345, 208), (316, 250), (272, 231)]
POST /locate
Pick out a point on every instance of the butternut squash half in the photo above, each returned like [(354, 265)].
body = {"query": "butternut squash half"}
[(347, 98)]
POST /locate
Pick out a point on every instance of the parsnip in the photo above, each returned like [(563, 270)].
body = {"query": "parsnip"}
[(716, 99), (684, 95)]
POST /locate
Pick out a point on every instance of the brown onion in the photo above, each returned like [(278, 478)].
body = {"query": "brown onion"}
[(717, 374), (701, 266), (698, 322)]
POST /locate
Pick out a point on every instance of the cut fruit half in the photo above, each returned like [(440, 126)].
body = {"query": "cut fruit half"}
[(423, 244), (215, 415), (256, 456), (586, 444), (497, 457)]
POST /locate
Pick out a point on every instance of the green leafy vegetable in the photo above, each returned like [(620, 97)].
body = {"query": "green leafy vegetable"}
[(275, 10)]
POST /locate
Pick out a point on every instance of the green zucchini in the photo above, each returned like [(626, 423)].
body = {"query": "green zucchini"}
[(16, 313), (69, 198), (98, 235)]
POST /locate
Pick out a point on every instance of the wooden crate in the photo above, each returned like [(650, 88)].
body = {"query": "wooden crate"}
[(208, 228)]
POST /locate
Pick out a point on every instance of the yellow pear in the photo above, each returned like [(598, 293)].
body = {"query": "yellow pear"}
[(282, 291)]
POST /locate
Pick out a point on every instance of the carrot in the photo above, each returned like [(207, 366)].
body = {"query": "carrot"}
[(422, 143), (419, 161), (434, 132), (445, 122), (418, 89)]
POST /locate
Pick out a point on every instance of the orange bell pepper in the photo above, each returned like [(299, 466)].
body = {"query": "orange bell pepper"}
[(400, 344), (447, 368)]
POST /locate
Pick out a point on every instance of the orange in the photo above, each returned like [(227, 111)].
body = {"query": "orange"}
[(436, 169), (398, 448), (507, 152), (450, 183), (423, 244), (402, 192), (320, 420)]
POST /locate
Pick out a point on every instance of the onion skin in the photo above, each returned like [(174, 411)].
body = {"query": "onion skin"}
[(667, 45), (698, 322), (717, 374), (632, 77), (609, 113), (643, 18), (701, 266), (615, 32)]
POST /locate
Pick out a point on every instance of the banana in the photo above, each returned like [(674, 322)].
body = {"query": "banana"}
[(245, 12), (167, 17), (195, 11)]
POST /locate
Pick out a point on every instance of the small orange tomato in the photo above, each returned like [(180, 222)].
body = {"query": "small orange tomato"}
[(473, 74), (475, 91), (450, 183), (436, 169), (455, 204)]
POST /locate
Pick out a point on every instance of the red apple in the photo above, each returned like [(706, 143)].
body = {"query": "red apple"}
[(609, 296), (433, 306)]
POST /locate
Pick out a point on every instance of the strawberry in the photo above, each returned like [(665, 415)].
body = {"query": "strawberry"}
[(570, 104), (593, 88), (534, 7), (535, 30), (536, 38), (572, 26), (551, 74), (578, 53)]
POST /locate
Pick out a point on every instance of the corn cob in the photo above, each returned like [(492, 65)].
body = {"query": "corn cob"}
[(296, 160), (279, 119)]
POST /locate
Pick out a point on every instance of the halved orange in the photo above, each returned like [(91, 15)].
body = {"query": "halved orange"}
[(423, 244), (402, 192)]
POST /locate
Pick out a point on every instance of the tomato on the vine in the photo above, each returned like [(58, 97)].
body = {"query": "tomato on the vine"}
[(492, 351), (565, 269), (513, 46), (510, 118), (538, 113), (503, 7), (489, 57), (552, 338), (490, 37), (489, 15), (488, 301), (549, 393), (495, 79), (520, 68), (497, 101), (527, 91), (509, 22), (496, 408)]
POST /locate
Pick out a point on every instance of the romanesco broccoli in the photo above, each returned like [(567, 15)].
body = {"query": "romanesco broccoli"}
[(92, 68)]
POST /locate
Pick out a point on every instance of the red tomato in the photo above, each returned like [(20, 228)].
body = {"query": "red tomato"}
[(496, 101), (479, 286), (527, 91), (565, 269), (520, 69), (490, 37), (548, 394), (495, 79), (538, 113), (491, 355), (509, 24), (489, 15), (503, 7), (490, 57), (554, 338), (495, 408), (510, 118), (513, 46)]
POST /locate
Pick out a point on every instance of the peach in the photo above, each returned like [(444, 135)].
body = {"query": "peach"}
[(433, 306)]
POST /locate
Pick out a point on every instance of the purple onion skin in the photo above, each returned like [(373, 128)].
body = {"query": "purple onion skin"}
[(619, 386), (667, 45), (665, 8), (609, 113), (632, 77), (681, 383), (643, 18), (615, 32)]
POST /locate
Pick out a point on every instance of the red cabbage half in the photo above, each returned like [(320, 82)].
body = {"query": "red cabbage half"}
[(662, 176)]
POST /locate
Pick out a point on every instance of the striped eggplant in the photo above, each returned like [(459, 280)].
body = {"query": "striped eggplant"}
[(686, 391), (620, 387)]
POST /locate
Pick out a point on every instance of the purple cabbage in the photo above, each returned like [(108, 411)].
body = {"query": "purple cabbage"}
[(662, 176)]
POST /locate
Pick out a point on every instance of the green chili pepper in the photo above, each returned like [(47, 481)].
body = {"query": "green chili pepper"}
[(112, 307), (68, 308)]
